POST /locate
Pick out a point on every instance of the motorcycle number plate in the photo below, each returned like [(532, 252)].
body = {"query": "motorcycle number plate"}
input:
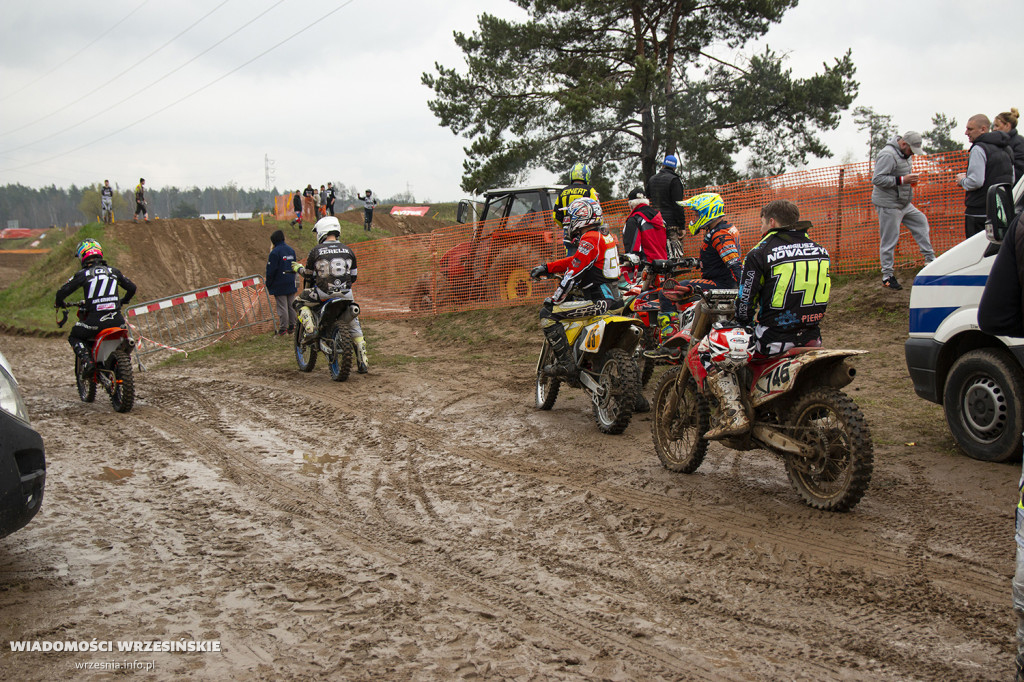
[(593, 339)]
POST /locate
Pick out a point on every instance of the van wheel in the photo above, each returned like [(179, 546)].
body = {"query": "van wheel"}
[(984, 405)]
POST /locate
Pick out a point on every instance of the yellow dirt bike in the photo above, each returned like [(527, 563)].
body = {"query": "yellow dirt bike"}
[(603, 349)]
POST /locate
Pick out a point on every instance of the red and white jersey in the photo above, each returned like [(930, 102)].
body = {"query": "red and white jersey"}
[(594, 267)]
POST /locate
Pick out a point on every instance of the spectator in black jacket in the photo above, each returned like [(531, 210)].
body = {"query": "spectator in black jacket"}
[(665, 189), (1006, 122), (990, 162)]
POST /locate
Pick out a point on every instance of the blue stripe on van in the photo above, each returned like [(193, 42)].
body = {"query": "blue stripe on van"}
[(927, 320), (951, 280)]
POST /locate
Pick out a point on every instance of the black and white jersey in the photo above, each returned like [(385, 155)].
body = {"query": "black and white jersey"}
[(99, 288)]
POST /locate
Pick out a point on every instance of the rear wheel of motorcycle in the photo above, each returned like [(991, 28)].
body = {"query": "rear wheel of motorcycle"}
[(678, 438), (122, 395), (620, 380), (838, 474), (86, 386), (340, 361), (305, 355), (547, 387)]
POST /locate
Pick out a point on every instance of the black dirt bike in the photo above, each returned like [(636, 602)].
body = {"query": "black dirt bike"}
[(111, 353), (332, 337)]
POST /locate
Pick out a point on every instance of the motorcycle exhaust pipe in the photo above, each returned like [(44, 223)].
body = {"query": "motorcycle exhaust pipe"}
[(350, 313), (840, 375)]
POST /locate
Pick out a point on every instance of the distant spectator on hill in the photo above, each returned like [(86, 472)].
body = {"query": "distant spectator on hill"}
[(297, 207), (307, 200), (281, 281), (140, 201), (369, 201), (323, 202), (990, 162), (330, 198), (1006, 122), (316, 203)]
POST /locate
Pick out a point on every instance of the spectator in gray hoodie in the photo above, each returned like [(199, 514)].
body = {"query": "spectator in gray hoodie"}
[(892, 193)]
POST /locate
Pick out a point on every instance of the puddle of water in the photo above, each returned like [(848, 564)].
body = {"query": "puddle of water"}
[(114, 475), (313, 465)]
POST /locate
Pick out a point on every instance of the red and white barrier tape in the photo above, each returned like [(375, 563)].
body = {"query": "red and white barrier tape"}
[(189, 298)]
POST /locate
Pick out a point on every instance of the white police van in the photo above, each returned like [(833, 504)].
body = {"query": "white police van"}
[(977, 378)]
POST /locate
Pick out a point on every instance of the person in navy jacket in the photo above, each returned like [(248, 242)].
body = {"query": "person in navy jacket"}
[(281, 281)]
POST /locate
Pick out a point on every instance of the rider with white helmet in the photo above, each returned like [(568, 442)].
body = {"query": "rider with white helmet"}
[(331, 269)]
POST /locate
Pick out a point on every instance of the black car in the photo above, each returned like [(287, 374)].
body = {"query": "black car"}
[(22, 461)]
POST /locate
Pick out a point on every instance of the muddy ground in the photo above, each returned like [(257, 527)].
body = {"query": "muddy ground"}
[(424, 521)]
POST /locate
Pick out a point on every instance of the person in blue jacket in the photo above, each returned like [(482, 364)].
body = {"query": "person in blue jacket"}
[(281, 281)]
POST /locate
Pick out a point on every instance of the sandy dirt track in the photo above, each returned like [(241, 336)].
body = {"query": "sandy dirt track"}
[(426, 522)]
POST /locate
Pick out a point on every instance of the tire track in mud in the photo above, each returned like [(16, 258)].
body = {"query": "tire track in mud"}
[(651, 589), (827, 549), (434, 563), (710, 522)]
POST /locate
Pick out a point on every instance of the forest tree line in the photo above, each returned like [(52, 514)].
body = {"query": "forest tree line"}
[(41, 207)]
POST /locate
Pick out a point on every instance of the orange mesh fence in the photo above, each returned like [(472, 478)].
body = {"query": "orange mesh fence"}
[(487, 264), (284, 209)]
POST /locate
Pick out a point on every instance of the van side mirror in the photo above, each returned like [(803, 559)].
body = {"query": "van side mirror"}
[(999, 211)]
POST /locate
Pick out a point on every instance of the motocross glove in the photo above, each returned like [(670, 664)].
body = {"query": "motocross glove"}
[(296, 266), (539, 271)]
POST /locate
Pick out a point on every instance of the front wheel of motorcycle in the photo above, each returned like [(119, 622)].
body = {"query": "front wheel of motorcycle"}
[(837, 475), (620, 379), (122, 392), (305, 353), (339, 362), (86, 386), (547, 387), (678, 437)]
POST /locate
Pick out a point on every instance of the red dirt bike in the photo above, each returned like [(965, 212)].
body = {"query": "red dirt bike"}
[(642, 303), (111, 353), (795, 406)]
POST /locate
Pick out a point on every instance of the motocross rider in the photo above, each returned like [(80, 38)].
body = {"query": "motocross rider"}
[(593, 270), (579, 186), (107, 197), (102, 309), (720, 266), (331, 267), (784, 285)]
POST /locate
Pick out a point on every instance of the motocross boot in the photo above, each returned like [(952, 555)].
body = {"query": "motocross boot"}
[(82, 352), (641, 404), (306, 318), (669, 325), (731, 417), (559, 342), (361, 364)]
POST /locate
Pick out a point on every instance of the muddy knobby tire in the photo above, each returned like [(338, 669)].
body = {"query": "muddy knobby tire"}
[(838, 475), (86, 386), (679, 437), (122, 395), (340, 361), (305, 356), (547, 387), (621, 378)]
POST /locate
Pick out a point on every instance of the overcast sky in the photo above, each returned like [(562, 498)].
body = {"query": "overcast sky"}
[(190, 92)]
